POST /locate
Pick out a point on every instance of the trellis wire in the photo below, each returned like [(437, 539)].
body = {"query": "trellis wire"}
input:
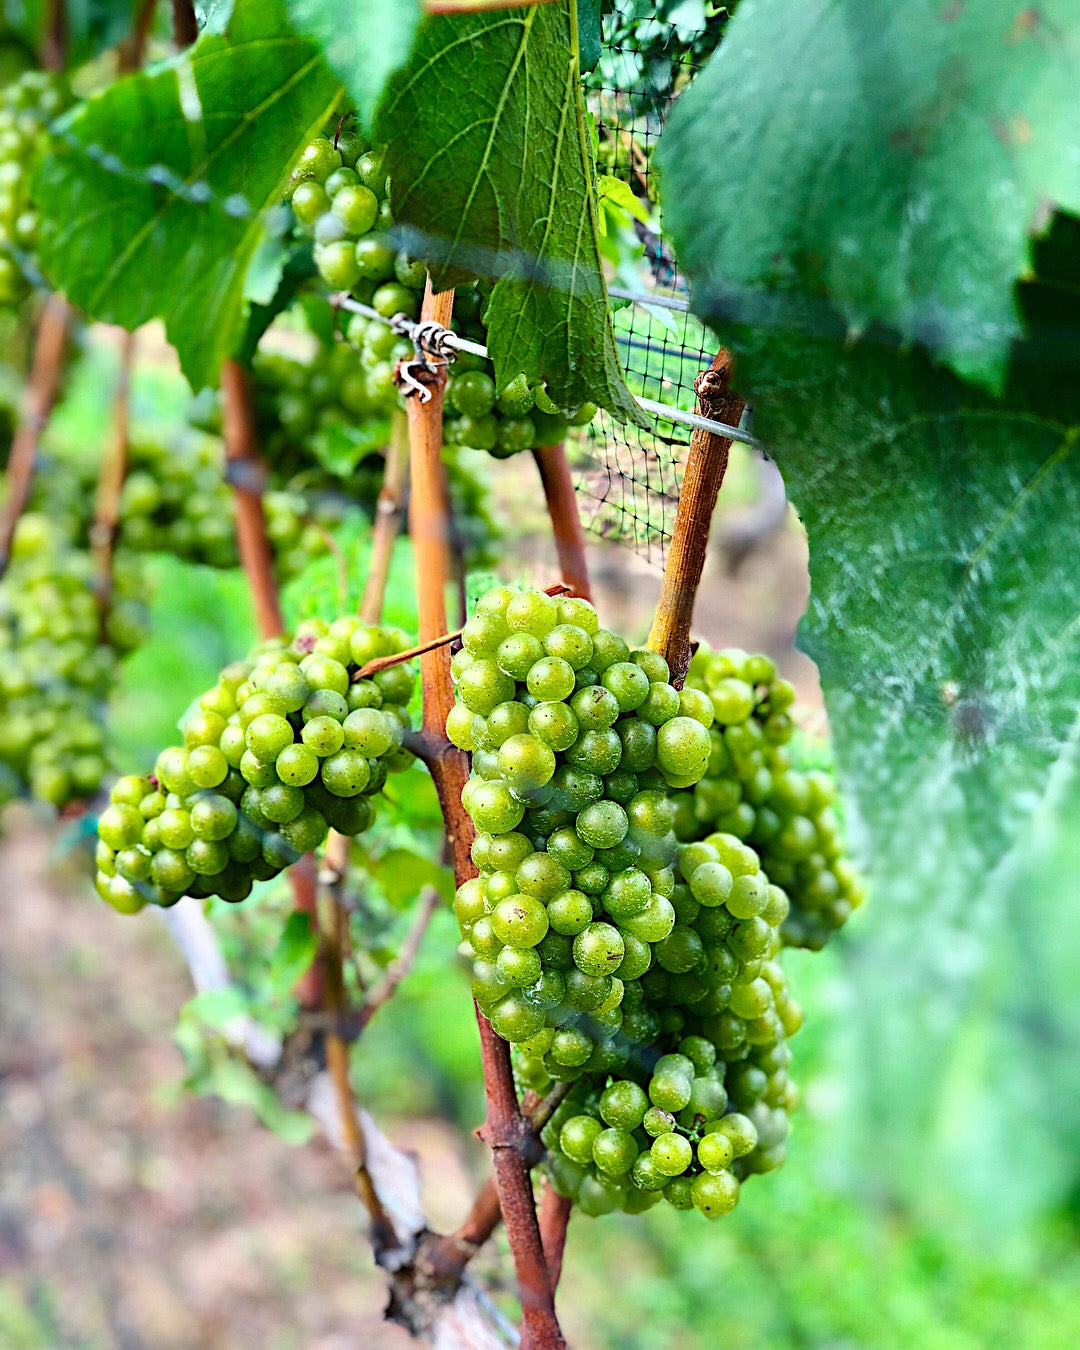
[(628, 477), (410, 328)]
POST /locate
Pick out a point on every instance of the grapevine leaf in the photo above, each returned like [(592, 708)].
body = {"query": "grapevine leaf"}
[(490, 164), (892, 161), (590, 38), (294, 953), (402, 874), (170, 174), (944, 621), (364, 42)]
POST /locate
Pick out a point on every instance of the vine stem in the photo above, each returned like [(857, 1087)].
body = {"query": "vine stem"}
[(554, 1219), (705, 468), (565, 517), (337, 1063), (389, 513), (248, 476), (40, 395), (110, 485), (185, 24), (505, 1130), (54, 38)]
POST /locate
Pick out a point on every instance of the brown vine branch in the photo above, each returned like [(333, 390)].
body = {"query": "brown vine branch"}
[(39, 396), (337, 1063), (54, 38), (110, 485), (505, 1130), (185, 24), (133, 48), (389, 513), (705, 468), (248, 477), (554, 1219), (452, 1253), (565, 517)]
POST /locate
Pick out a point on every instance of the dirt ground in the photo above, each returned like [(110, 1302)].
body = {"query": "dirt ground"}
[(133, 1216)]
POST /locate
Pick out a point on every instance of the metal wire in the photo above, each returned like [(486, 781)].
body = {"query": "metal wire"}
[(440, 337)]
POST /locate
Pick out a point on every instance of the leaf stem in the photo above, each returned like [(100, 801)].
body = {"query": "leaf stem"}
[(705, 468), (40, 395), (505, 1130)]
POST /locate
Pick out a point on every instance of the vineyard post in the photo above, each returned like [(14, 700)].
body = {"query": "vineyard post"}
[(506, 1131), (705, 468)]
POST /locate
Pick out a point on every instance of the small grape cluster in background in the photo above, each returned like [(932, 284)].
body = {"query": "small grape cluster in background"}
[(60, 656), (284, 748), (27, 105), (752, 790)]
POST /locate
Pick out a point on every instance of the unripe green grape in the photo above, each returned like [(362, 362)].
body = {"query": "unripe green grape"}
[(567, 848), (715, 1194), (570, 913), (597, 751), (671, 1154), (532, 612), (599, 949), (578, 1137), (646, 1175), (595, 708), (550, 679)]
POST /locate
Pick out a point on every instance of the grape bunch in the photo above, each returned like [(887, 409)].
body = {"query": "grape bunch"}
[(176, 500), (286, 746), (750, 789), (575, 741), (27, 106), (699, 1096), (59, 662), (340, 197)]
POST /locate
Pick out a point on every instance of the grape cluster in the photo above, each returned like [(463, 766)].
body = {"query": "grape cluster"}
[(27, 105), (751, 790), (340, 197), (176, 500), (58, 663), (696, 1095), (576, 741), (285, 747)]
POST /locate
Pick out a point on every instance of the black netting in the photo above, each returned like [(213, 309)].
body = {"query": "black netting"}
[(628, 478)]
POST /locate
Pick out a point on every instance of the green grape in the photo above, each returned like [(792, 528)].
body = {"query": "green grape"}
[(221, 841)]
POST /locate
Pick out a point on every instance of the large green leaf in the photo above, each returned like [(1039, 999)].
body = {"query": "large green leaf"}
[(491, 164), (892, 160), (364, 41), (155, 198), (945, 621)]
